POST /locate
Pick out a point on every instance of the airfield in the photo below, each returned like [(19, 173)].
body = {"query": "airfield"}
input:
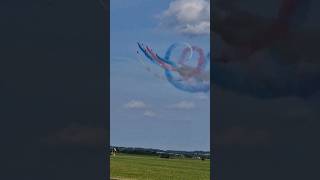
[(146, 167)]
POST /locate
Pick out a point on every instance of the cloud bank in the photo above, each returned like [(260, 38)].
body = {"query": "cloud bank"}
[(135, 104), (187, 17), (149, 113)]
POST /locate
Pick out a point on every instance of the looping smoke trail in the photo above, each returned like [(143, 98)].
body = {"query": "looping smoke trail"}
[(181, 75)]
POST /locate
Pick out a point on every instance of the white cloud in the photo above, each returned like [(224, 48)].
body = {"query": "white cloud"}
[(183, 105), (149, 113), (188, 17), (135, 104)]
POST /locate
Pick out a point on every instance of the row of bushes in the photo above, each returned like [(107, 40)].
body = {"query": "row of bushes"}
[(162, 154)]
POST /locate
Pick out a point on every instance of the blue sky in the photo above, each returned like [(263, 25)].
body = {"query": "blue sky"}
[(147, 111)]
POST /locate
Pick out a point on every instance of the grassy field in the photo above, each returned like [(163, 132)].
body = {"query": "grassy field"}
[(138, 167)]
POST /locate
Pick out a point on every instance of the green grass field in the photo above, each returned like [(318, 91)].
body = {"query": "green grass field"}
[(138, 167)]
